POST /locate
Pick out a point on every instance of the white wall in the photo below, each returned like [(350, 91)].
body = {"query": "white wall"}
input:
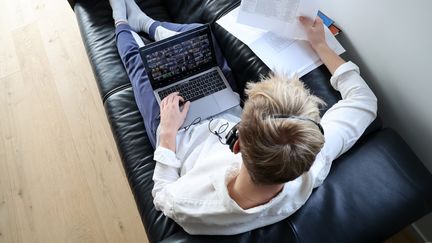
[(391, 41)]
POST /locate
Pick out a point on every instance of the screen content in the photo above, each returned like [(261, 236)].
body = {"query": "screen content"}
[(179, 58)]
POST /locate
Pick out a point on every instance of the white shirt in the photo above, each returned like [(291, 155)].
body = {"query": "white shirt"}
[(191, 185)]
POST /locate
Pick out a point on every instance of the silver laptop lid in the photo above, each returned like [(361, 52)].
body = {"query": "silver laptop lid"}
[(178, 57)]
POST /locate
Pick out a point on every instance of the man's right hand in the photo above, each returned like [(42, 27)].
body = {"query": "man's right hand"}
[(314, 30), (172, 117), (316, 36)]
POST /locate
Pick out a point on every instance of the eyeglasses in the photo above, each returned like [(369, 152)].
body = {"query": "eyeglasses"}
[(220, 130)]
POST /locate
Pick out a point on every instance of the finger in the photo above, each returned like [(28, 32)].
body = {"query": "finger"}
[(174, 93), (305, 21), (185, 109), (182, 100), (171, 98), (163, 103), (166, 98), (179, 101), (176, 101), (318, 22)]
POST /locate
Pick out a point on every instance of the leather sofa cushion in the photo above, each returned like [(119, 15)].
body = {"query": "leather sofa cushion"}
[(199, 11), (136, 153)]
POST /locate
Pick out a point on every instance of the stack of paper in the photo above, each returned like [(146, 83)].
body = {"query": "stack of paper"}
[(279, 53), (279, 16)]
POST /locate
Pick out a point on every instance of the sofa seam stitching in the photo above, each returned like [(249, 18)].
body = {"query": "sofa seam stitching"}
[(114, 91)]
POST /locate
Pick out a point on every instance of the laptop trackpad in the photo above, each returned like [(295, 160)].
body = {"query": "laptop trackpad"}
[(202, 108)]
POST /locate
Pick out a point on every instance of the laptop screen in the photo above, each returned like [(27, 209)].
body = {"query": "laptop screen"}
[(175, 58)]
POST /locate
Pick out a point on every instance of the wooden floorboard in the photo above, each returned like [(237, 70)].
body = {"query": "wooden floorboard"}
[(61, 179)]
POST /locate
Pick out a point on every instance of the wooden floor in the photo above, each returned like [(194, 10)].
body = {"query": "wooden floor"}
[(61, 179)]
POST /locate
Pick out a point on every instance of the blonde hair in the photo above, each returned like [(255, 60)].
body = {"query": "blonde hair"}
[(278, 150)]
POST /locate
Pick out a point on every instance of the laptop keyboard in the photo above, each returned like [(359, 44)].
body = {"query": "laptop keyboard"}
[(197, 88)]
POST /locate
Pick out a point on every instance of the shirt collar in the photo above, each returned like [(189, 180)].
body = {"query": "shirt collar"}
[(220, 182)]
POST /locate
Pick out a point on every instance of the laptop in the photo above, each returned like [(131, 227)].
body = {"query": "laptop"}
[(187, 63)]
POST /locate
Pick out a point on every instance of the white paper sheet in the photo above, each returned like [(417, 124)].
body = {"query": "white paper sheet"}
[(247, 34), (279, 16), (288, 56)]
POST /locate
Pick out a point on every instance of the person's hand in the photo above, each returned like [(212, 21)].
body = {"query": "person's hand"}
[(171, 119), (315, 31)]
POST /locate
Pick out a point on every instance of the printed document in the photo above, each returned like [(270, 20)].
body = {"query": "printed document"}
[(279, 16), (281, 54)]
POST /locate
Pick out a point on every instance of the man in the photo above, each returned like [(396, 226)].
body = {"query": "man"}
[(279, 155)]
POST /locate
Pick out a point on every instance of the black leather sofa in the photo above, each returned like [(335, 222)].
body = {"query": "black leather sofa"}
[(371, 193)]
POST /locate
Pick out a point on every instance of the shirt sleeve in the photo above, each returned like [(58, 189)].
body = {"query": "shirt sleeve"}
[(345, 121), (166, 172)]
